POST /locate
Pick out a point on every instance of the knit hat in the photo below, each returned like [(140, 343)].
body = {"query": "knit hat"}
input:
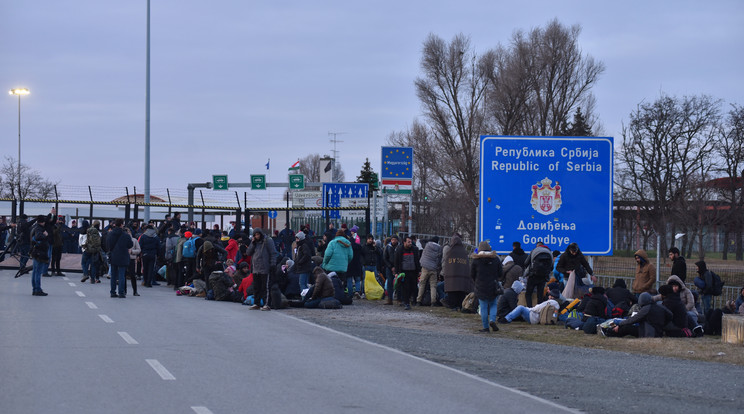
[(300, 236), (555, 293), (198, 232), (355, 229), (317, 260), (665, 290), (187, 235), (484, 246), (243, 265)]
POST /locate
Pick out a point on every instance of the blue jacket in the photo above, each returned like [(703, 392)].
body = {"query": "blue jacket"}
[(337, 255)]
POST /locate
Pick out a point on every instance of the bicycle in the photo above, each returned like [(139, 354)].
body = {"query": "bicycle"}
[(13, 250)]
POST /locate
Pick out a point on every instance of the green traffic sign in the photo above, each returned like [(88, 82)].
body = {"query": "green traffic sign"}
[(258, 182), (296, 181), (219, 182)]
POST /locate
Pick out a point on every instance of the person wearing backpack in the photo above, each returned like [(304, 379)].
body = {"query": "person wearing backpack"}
[(91, 252), (188, 254), (538, 266), (707, 289)]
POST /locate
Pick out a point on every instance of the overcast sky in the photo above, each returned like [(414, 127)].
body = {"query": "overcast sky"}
[(234, 82)]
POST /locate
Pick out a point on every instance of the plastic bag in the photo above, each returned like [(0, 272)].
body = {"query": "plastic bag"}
[(569, 292), (372, 289)]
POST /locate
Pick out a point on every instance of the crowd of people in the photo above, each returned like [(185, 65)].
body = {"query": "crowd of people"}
[(329, 270)]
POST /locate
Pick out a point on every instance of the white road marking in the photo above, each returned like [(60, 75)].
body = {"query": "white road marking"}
[(463, 373), (91, 305), (160, 369), (79, 293), (128, 338), (201, 410), (65, 278), (71, 284), (106, 318)]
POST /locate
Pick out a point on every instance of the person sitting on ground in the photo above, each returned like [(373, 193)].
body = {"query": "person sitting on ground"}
[(509, 300), (594, 308), (244, 279), (532, 315), (230, 268), (685, 295), (649, 322), (224, 287), (678, 328), (645, 274), (739, 303), (512, 271), (620, 296), (321, 291), (485, 269)]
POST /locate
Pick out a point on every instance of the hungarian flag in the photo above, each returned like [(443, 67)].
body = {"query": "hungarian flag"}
[(295, 166)]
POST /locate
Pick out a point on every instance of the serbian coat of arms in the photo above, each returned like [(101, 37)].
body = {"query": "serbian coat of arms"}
[(546, 199)]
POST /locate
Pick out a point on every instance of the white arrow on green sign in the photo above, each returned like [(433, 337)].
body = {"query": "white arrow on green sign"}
[(258, 182), (219, 182), (296, 181)]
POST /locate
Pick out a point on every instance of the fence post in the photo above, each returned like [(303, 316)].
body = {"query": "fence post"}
[(90, 193)]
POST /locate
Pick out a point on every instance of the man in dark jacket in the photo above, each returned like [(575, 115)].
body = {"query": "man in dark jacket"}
[(388, 257), (263, 260), (485, 269), (573, 259), (620, 296), (40, 253), (508, 301), (149, 243), (679, 266), (287, 235), (518, 254), (303, 263), (118, 244), (651, 320), (672, 301), (537, 269), (407, 262)]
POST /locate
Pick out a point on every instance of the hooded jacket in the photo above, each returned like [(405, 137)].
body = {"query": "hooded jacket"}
[(149, 243), (619, 294), (485, 269), (323, 285), (531, 259), (303, 259), (512, 271), (338, 255), (651, 318), (455, 267), (263, 254), (685, 295), (568, 262), (119, 244), (673, 302), (431, 257), (645, 274), (232, 249), (509, 300)]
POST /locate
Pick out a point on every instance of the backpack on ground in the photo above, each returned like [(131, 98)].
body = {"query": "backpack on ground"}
[(542, 266), (189, 248), (548, 315), (470, 303)]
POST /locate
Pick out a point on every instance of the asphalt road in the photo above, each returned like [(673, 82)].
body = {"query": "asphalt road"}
[(80, 351)]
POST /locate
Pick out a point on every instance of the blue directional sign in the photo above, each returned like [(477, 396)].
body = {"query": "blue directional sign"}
[(272, 214), (397, 164), (334, 192), (556, 190)]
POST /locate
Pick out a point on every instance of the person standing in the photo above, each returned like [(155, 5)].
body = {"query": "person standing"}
[(388, 257), (57, 244), (149, 243), (431, 265), (518, 254), (23, 235), (338, 256), (39, 254), (407, 261), (133, 253), (287, 236), (263, 259), (91, 252), (538, 266), (118, 244), (645, 274), (707, 291), (456, 273), (679, 266), (303, 264), (486, 271)]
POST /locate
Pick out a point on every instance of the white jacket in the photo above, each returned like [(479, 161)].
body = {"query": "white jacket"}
[(535, 310)]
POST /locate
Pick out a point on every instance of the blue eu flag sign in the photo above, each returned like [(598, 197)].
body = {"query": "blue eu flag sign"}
[(397, 163)]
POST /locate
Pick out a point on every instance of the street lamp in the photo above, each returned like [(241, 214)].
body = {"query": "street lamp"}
[(20, 92)]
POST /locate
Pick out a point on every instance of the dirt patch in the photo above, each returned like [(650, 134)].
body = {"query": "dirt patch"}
[(437, 319)]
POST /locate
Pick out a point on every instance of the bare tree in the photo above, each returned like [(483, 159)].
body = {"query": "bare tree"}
[(33, 185), (540, 79), (665, 158), (730, 151), (451, 91)]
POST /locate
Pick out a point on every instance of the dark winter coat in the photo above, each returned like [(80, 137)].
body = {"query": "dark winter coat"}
[(456, 268), (673, 302), (323, 285), (619, 294), (519, 256), (404, 255), (651, 318), (431, 258), (303, 258), (371, 254), (512, 272), (118, 244), (594, 305), (355, 265), (263, 254), (485, 269), (40, 243), (509, 300), (149, 243), (568, 262), (679, 268)]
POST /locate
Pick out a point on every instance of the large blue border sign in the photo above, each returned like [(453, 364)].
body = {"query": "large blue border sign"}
[(556, 190)]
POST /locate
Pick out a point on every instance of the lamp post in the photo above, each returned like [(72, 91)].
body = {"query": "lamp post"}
[(20, 92)]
